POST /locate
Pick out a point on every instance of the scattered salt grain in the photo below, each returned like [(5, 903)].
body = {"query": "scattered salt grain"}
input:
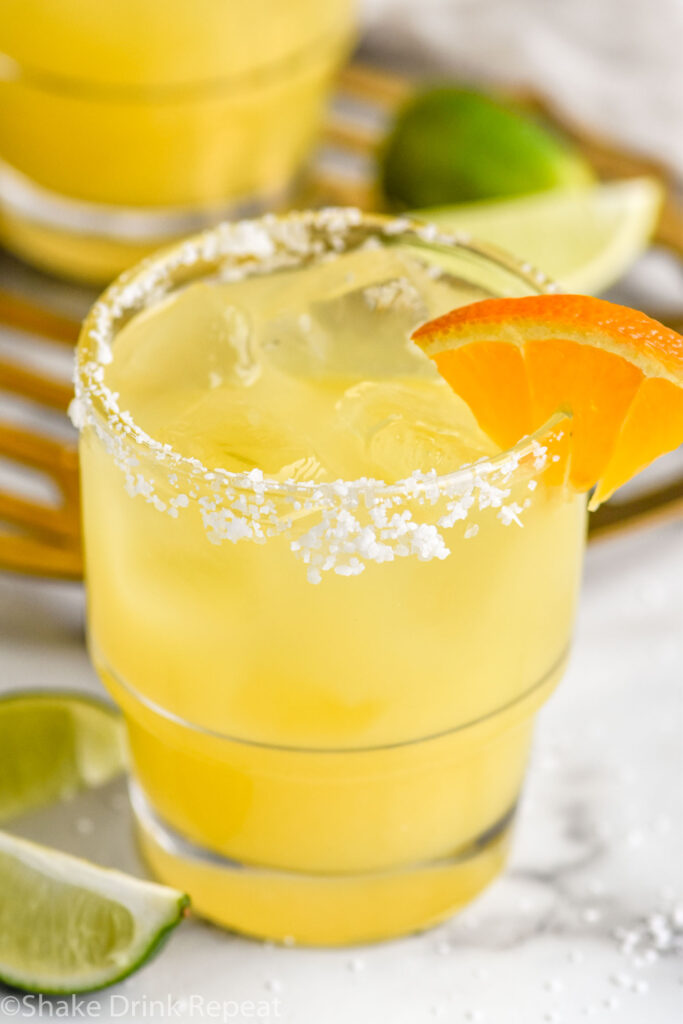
[(622, 980)]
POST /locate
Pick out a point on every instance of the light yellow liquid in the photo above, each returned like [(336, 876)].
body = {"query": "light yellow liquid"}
[(155, 105), (359, 745)]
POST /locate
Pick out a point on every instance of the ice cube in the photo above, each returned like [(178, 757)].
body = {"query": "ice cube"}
[(403, 427), (352, 317), (227, 429), (193, 339)]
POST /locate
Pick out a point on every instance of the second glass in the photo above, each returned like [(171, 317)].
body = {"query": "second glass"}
[(125, 125)]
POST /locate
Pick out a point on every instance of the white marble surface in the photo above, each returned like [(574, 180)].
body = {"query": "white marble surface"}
[(586, 924)]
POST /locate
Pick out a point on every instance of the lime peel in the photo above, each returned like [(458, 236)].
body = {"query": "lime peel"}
[(69, 926)]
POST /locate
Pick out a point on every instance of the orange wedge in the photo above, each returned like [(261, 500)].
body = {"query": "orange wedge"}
[(618, 373)]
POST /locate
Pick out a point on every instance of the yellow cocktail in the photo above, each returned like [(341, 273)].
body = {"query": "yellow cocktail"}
[(124, 125), (327, 604)]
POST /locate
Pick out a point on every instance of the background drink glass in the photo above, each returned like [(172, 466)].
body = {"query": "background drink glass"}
[(124, 125), (341, 762)]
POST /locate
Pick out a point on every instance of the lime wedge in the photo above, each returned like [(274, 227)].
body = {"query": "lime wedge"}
[(69, 926), (54, 744), (451, 144), (584, 238)]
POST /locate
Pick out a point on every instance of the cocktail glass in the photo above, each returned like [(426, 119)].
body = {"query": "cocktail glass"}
[(329, 685)]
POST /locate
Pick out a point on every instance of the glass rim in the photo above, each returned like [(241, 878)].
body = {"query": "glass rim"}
[(245, 246), (13, 69)]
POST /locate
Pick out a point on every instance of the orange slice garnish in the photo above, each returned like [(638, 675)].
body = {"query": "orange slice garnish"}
[(617, 372)]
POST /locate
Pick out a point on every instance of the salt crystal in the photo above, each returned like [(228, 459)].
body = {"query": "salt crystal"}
[(622, 980)]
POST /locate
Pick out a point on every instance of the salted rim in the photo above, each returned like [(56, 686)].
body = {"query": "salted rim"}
[(237, 250)]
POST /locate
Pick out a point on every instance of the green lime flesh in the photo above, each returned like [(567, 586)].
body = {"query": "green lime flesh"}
[(54, 744), (583, 237)]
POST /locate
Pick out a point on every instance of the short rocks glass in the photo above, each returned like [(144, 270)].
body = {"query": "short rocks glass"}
[(327, 606)]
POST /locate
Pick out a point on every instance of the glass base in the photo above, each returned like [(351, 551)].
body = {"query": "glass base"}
[(319, 909), (92, 242)]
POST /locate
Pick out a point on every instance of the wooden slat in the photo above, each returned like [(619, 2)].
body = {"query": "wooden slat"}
[(24, 315), (351, 137), (655, 507), (59, 462), (49, 521), (669, 230), (336, 190), (40, 558), (58, 459), (383, 88), (36, 386)]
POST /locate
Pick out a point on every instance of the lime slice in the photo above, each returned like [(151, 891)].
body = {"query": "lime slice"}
[(457, 145), (583, 238), (69, 926), (54, 744)]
